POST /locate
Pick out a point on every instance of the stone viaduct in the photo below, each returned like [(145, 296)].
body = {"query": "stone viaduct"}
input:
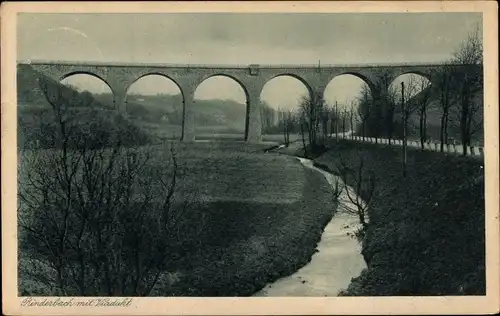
[(252, 78)]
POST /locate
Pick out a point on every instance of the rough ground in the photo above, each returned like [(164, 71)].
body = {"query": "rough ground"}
[(427, 230)]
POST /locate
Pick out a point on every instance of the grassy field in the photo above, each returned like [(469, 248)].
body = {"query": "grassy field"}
[(168, 131), (265, 213), (426, 234)]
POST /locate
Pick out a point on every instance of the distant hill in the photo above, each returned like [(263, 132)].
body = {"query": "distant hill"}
[(86, 115), (168, 109), (29, 92)]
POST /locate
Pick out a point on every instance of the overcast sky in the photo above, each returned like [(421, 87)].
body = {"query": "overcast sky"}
[(340, 38)]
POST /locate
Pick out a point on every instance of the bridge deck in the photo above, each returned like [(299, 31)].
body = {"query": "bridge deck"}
[(226, 66)]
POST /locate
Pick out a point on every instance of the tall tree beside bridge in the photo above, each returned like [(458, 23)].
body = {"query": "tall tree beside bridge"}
[(310, 110), (267, 116), (337, 119), (390, 102), (408, 104), (345, 116), (365, 105), (380, 119), (287, 121), (445, 78), (423, 102), (325, 121), (352, 111), (469, 82), (332, 119)]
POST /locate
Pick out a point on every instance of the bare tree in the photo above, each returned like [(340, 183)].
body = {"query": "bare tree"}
[(352, 110), (303, 128), (102, 217), (287, 120), (310, 111), (391, 103), (470, 51), (445, 78), (332, 119), (410, 106), (336, 115), (325, 119), (344, 115), (382, 116), (469, 81), (423, 102), (363, 182), (268, 116), (365, 104)]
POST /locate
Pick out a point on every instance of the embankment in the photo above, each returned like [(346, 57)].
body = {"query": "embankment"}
[(426, 234)]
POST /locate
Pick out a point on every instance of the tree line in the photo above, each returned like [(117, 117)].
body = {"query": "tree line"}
[(384, 110)]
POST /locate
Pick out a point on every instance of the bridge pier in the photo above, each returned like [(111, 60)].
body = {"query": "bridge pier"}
[(253, 133), (119, 103), (188, 123)]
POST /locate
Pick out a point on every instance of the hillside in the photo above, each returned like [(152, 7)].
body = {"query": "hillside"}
[(166, 108), (85, 115), (29, 92), (425, 237)]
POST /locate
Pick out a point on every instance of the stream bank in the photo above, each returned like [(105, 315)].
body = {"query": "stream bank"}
[(337, 259)]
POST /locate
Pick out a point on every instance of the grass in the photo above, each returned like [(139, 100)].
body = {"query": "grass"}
[(264, 241), (426, 235), (280, 137), (265, 214)]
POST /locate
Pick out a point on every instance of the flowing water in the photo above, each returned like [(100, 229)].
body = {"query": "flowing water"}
[(338, 258)]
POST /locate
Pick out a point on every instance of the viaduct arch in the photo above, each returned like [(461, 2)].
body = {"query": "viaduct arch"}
[(239, 83), (252, 78)]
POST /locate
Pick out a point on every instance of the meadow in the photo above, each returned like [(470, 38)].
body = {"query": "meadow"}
[(254, 205), (166, 131)]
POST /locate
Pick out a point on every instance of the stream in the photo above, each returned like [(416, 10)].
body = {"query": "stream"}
[(337, 260)]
